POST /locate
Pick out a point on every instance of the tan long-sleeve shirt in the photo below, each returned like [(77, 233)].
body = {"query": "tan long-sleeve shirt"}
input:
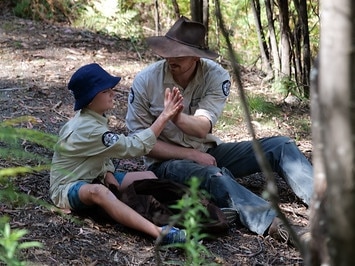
[(205, 96), (84, 151)]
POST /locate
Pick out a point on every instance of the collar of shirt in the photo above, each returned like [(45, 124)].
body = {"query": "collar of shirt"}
[(100, 118)]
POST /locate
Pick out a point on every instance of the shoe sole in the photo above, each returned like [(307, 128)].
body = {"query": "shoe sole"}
[(279, 232), (230, 214)]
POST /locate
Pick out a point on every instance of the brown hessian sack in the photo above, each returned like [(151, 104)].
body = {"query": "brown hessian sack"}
[(153, 198)]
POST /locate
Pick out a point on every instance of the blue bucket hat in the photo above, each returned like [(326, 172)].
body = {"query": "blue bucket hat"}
[(88, 81)]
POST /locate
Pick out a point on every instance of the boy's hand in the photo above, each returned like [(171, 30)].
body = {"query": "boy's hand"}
[(111, 182), (173, 102)]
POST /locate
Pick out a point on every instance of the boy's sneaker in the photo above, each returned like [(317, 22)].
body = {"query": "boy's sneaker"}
[(175, 235)]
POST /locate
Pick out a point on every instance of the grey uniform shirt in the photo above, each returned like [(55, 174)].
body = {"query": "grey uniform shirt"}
[(205, 96), (84, 149)]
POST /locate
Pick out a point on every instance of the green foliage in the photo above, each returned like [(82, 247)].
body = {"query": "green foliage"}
[(47, 10), (303, 126), (12, 139), (286, 86), (240, 25), (259, 105), (23, 9), (126, 18), (191, 214), (10, 195), (11, 245), (232, 114), (108, 17)]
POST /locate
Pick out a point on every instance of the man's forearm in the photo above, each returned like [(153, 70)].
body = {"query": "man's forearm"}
[(167, 151), (197, 126)]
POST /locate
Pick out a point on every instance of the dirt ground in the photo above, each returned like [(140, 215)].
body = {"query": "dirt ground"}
[(37, 60)]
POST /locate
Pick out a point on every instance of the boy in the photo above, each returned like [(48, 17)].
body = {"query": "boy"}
[(85, 146)]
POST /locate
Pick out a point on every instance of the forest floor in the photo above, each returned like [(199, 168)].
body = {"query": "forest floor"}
[(37, 59)]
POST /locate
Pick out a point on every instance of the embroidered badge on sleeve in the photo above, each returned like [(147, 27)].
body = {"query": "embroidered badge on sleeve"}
[(226, 85), (109, 138)]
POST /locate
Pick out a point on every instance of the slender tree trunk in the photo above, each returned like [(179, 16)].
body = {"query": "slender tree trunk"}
[(303, 14), (285, 38), (296, 51), (264, 51), (300, 47), (273, 40), (157, 18), (206, 17), (176, 9), (333, 216), (302, 50)]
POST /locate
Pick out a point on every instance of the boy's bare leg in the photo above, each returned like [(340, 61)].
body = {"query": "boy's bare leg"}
[(100, 195)]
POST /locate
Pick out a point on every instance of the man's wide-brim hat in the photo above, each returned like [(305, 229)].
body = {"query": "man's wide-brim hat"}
[(88, 81), (185, 38)]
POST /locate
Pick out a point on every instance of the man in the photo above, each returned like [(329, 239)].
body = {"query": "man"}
[(187, 148)]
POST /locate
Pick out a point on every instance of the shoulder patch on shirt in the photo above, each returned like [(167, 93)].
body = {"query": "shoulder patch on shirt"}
[(109, 138), (131, 96), (226, 85)]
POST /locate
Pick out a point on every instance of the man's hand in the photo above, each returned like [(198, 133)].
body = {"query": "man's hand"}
[(203, 158), (167, 151)]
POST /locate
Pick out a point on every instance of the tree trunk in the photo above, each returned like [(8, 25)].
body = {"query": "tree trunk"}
[(285, 38), (176, 9), (318, 252), (273, 40), (200, 13), (206, 17), (264, 51), (306, 47), (196, 7), (157, 18), (333, 216), (296, 51), (302, 51)]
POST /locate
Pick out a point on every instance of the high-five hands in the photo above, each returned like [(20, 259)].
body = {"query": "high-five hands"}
[(173, 102)]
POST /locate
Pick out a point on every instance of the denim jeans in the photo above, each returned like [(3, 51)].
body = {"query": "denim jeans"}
[(237, 160)]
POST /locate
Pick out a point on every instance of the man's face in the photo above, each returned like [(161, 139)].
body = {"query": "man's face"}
[(181, 65)]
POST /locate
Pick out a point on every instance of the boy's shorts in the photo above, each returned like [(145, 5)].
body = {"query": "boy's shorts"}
[(73, 193)]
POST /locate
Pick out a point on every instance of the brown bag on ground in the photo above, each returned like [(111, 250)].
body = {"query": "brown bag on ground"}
[(152, 198)]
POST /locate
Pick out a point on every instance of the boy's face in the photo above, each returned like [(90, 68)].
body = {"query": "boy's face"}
[(103, 101)]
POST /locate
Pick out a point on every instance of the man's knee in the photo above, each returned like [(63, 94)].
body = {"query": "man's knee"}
[(217, 175), (281, 139)]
